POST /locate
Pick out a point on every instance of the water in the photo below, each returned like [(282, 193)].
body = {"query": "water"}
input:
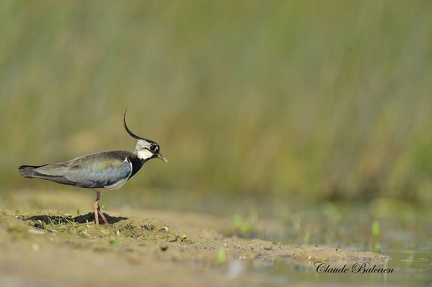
[(404, 239), (404, 268), (409, 269)]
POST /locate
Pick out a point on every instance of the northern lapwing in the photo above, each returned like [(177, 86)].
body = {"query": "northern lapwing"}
[(101, 171)]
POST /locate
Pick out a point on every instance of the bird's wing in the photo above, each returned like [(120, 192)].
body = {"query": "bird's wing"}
[(98, 170)]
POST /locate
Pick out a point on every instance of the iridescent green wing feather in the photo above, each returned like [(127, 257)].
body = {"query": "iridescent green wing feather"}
[(99, 170)]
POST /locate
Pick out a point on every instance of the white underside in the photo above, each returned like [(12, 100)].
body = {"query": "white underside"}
[(111, 187)]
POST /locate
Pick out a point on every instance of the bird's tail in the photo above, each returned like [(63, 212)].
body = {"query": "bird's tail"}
[(29, 170), (46, 172)]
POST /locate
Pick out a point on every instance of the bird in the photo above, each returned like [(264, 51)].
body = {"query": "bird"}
[(100, 171)]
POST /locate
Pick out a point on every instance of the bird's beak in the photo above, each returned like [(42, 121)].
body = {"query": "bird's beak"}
[(160, 156)]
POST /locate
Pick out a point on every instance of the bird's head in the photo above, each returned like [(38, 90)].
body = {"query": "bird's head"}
[(145, 149)]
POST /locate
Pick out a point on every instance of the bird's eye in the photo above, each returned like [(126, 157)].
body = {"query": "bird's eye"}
[(153, 148)]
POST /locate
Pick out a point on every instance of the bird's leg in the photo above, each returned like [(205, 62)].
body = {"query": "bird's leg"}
[(96, 207), (98, 211)]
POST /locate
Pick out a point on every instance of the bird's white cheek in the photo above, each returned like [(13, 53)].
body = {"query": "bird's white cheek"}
[(144, 154)]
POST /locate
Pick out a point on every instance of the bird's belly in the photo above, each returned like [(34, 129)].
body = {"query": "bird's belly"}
[(114, 186)]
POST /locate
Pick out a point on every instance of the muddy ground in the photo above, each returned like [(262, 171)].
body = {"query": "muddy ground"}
[(48, 248)]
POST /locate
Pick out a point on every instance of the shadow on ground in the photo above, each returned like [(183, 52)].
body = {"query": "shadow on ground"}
[(63, 219)]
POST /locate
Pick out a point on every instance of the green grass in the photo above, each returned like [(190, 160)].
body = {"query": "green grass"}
[(323, 100)]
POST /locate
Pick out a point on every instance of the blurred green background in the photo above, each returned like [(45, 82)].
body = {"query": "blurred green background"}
[(317, 100)]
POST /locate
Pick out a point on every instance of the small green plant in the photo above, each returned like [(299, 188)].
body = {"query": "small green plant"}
[(376, 229), (376, 232), (220, 256), (243, 226), (115, 242)]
